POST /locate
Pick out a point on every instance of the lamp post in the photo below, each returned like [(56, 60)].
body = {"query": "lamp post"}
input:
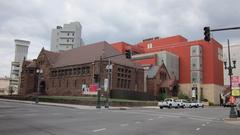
[(39, 72), (230, 68)]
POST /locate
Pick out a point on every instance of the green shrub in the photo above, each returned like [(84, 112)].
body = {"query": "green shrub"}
[(205, 100), (182, 96), (162, 96), (211, 104)]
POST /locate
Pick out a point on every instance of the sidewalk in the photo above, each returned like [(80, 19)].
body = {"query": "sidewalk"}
[(235, 121), (85, 107)]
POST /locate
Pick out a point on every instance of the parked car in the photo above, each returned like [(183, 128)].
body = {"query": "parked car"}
[(196, 104), (169, 103), (187, 104), (181, 102), (200, 105)]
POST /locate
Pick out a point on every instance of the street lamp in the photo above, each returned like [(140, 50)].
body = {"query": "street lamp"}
[(39, 72), (230, 68)]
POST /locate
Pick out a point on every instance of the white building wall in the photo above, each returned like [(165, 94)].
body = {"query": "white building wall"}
[(21, 51), (66, 37), (235, 55)]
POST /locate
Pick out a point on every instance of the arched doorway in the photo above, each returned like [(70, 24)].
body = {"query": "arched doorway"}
[(42, 88)]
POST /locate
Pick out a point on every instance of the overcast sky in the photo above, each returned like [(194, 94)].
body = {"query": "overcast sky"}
[(112, 21)]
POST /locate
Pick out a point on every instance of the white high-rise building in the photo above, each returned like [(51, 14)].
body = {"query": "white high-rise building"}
[(66, 37), (21, 51)]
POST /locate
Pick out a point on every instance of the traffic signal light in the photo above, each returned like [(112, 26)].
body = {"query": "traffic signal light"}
[(206, 33), (128, 54)]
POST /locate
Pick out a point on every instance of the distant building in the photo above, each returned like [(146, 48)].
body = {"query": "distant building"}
[(21, 51), (199, 63), (4, 85), (66, 37)]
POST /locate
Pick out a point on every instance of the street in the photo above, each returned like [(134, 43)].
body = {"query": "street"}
[(29, 119)]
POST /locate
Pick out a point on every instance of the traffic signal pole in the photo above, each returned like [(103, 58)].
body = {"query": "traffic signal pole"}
[(207, 31), (128, 55)]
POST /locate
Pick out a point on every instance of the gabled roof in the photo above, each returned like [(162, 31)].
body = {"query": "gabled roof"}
[(87, 54), (32, 64), (151, 73)]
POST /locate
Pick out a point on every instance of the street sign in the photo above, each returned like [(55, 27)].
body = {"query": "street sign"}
[(109, 66), (236, 92), (105, 84)]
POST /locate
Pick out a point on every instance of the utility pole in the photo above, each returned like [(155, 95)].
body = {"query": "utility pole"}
[(98, 106)]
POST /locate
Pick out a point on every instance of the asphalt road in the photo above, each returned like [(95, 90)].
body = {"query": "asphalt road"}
[(31, 119)]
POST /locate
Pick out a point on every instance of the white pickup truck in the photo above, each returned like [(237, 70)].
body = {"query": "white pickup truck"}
[(169, 103)]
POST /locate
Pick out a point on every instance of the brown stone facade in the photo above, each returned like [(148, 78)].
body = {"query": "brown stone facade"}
[(159, 82), (67, 79)]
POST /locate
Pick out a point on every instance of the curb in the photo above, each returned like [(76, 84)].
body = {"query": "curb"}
[(64, 105), (234, 121)]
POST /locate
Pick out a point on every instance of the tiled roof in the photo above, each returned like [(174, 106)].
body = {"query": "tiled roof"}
[(88, 54), (153, 71), (32, 64)]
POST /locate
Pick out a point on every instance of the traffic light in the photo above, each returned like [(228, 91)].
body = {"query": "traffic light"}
[(128, 54), (206, 33)]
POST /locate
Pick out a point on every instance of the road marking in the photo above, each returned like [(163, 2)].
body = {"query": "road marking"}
[(138, 122), (124, 125), (98, 130), (197, 129), (199, 119), (30, 114), (203, 125), (144, 113), (160, 117), (150, 119), (56, 113), (207, 122)]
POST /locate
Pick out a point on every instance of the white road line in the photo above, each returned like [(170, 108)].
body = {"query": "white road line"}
[(199, 119), (207, 122), (138, 122), (144, 113), (160, 117), (203, 125), (124, 125), (197, 129), (150, 119), (56, 113), (98, 130), (30, 114)]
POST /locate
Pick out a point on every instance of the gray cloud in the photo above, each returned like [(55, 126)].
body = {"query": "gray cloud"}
[(125, 20)]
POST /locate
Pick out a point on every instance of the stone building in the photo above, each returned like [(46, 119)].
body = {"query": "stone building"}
[(159, 82), (64, 73)]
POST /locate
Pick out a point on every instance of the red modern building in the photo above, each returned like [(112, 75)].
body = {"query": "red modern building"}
[(199, 65)]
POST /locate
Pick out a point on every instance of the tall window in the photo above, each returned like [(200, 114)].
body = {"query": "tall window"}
[(75, 83), (149, 45), (67, 84), (59, 83)]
